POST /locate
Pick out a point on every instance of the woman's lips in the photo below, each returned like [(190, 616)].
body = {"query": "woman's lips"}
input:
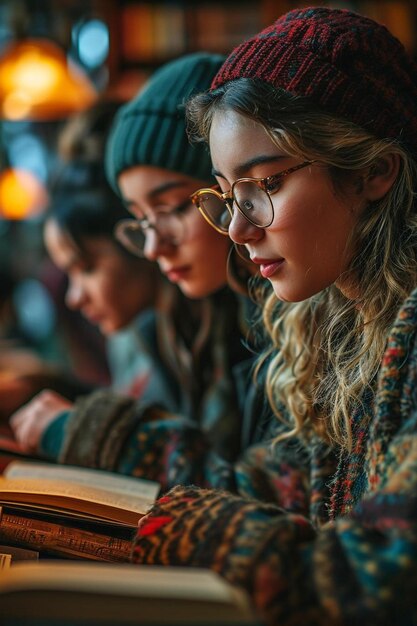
[(267, 270), (94, 318), (177, 273), (268, 267)]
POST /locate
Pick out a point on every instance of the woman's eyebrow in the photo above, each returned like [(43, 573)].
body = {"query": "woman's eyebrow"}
[(156, 191), (167, 186), (243, 168), (75, 259)]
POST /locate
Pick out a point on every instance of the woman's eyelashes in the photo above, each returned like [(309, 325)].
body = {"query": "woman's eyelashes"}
[(183, 207)]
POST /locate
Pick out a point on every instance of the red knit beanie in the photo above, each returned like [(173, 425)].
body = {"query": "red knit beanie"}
[(345, 63)]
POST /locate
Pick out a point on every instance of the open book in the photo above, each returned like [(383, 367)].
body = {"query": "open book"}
[(118, 594), (72, 511)]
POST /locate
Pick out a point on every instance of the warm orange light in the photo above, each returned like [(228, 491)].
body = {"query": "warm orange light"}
[(22, 195), (36, 82)]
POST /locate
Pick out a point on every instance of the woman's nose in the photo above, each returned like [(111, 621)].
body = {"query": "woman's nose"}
[(241, 231), (74, 296), (156, 245)]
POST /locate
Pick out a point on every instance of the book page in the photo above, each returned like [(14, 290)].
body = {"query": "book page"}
[(123, 485), (159, 595), (153, 581), (69, 497)]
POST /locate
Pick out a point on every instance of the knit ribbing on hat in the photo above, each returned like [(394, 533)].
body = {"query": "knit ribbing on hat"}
[(151, 129), (345, 63)]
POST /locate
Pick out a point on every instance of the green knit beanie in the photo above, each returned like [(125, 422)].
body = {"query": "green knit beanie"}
[(151, 128)]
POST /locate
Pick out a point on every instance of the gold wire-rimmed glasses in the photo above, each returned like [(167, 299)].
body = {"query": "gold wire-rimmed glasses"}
[(168, 225), (252, 197)]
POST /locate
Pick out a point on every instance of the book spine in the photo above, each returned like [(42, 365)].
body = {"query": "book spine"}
[(62, 540)]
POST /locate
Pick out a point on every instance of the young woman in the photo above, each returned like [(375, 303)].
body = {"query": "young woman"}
[(110, 287), (79, 232), (81, 141), (312, 129), (188, 429)]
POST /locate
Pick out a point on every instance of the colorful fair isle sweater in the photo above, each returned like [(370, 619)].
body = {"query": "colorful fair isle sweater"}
[(341, 546)]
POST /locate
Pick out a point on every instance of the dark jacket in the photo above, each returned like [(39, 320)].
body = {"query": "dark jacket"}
[(195, 412)]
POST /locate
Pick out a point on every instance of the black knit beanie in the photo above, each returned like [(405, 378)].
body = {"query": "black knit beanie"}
[(345, 63), (151, 128)]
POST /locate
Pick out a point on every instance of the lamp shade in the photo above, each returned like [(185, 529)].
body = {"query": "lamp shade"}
[(38, 83)]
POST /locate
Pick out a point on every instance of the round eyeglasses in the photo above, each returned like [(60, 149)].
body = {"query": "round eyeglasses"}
[(168, 226), (252, 197)]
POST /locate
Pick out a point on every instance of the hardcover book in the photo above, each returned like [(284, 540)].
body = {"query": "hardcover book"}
[(70, 511), (70, 592)]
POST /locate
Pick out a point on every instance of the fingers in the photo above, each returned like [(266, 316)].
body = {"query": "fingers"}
[(30, 421)]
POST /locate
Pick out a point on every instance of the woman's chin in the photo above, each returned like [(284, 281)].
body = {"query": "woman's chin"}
[(290, 294), (109, 328), (196, 292)]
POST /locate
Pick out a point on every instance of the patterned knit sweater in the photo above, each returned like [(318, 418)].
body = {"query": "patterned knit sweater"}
[(341, 546)]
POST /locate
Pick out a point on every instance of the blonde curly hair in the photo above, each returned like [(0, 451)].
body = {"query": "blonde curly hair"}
[(325, 352)]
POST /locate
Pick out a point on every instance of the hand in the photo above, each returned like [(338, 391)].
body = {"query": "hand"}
[(30, 422)]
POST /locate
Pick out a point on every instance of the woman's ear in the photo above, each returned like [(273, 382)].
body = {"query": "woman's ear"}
[(381, 176)]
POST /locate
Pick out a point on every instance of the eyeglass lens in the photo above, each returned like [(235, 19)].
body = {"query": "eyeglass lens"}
[(216, 210), (254, 202), (251, 199), (133, 235)]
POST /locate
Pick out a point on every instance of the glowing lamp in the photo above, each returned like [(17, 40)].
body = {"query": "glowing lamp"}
[(37, 82), (22, 195)]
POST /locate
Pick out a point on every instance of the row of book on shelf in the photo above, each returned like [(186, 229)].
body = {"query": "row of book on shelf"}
[(153, 31), (156, 31)]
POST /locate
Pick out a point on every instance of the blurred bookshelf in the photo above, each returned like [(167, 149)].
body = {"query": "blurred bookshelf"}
[(145, 34)]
